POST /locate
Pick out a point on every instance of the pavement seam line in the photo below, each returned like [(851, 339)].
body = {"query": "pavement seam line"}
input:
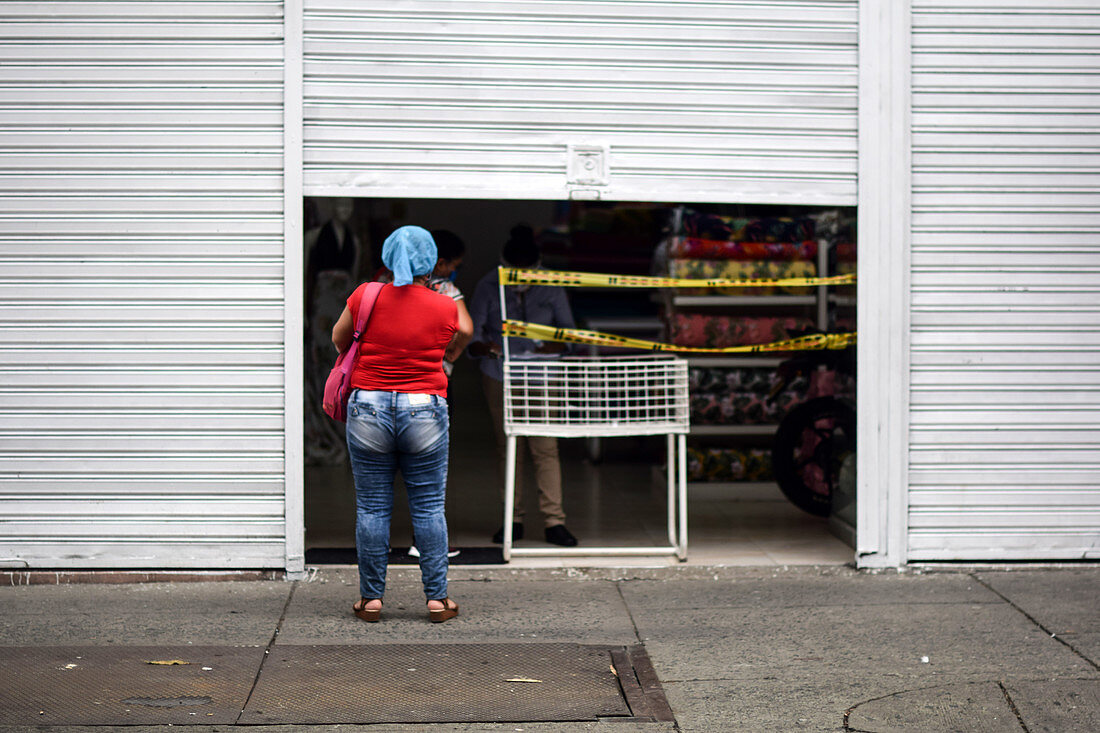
[(629, 613), (267, 651), (1012, 705), (638, 636), (1032, 619)]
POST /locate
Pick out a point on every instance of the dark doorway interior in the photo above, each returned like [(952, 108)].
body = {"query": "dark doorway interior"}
[(614, 491)]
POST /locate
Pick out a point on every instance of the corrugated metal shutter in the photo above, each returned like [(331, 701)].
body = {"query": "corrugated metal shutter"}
[(1005, 440), (746, 101), (141, 298)]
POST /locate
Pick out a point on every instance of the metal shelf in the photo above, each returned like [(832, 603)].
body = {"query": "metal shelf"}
[(733, 429), (733, 361), (742, 300)]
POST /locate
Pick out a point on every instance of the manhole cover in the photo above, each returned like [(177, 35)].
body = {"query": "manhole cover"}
[(449, 683), (125, 685)]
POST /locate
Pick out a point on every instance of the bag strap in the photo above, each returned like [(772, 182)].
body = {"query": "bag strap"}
[(366, 305)]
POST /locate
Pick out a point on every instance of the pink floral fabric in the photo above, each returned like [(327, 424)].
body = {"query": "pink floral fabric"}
[(697, 329), (693, 248)]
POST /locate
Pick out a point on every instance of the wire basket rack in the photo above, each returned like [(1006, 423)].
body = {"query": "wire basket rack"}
[(596, 396)]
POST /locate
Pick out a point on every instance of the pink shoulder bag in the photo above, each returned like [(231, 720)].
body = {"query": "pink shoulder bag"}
[(338, 384)]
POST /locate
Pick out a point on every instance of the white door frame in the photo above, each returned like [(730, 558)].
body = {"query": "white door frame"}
[(884, 193), (884, 212)]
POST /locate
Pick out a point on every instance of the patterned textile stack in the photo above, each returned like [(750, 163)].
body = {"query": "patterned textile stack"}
[(705, 259), (698, 329), (713, 246), (739, 396), (729, 464)]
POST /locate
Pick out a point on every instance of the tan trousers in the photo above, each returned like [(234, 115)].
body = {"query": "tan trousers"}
[(544, 453)]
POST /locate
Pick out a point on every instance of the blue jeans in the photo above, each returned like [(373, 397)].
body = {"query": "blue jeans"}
[(388, 431)]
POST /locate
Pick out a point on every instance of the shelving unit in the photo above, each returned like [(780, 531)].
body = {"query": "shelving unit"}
[(816, 306), (738, 433)]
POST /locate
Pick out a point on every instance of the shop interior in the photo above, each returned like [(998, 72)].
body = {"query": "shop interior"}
[(614, 488)]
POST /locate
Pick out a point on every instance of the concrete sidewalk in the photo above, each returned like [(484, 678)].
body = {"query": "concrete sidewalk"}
[(734, 649)]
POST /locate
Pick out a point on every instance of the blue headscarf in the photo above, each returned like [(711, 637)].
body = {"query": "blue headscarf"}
[(408, 252)]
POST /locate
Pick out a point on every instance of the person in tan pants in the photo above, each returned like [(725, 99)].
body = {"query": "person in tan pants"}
[(535, 304)]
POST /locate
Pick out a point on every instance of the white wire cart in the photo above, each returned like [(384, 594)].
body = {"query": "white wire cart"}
[(599, 396)]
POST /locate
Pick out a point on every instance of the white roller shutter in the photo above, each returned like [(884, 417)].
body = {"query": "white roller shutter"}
[(1005, 397), (742, 100), (141, 284)]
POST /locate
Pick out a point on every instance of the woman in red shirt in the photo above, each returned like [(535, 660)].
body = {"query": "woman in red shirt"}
[(397, 417)]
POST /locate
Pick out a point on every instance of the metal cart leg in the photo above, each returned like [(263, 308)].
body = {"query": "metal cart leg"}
[(509, 494), (671, 501), (681, 476)]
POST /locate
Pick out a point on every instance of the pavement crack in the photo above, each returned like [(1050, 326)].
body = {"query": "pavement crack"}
[(1032, 619), (848, 713), (1012, 705), (267, 650)]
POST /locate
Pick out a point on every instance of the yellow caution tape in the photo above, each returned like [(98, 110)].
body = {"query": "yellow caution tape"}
[(596, 338), (517, 276)]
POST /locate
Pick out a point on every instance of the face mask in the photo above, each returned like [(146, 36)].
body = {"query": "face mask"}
[(523, 288)]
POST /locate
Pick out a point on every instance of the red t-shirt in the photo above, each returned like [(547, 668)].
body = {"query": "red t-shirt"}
[(402, 349)]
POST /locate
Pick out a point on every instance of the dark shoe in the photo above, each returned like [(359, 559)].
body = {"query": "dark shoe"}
[(517, 533), (449, 610), (559, 535), (370, 615)]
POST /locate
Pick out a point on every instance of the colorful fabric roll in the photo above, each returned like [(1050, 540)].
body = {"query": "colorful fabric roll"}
[(691, 248), (697, 329), (741, 408), (758, 380), (742, 270), (729, 464), (733, 395)]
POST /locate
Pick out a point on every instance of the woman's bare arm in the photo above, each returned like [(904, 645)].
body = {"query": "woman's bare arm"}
[(462, 335)]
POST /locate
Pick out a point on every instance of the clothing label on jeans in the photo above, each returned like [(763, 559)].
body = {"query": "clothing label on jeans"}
[(420, 399)]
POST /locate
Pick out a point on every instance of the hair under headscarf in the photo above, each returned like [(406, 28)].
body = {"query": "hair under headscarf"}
[(409, 252)]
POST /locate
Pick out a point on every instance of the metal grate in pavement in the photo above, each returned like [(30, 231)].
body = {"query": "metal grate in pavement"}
[(361, 684), (120, 685), (448, 683)]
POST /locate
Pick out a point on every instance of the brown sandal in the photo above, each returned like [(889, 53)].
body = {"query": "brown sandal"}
[(449, 610), (370, 615)]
